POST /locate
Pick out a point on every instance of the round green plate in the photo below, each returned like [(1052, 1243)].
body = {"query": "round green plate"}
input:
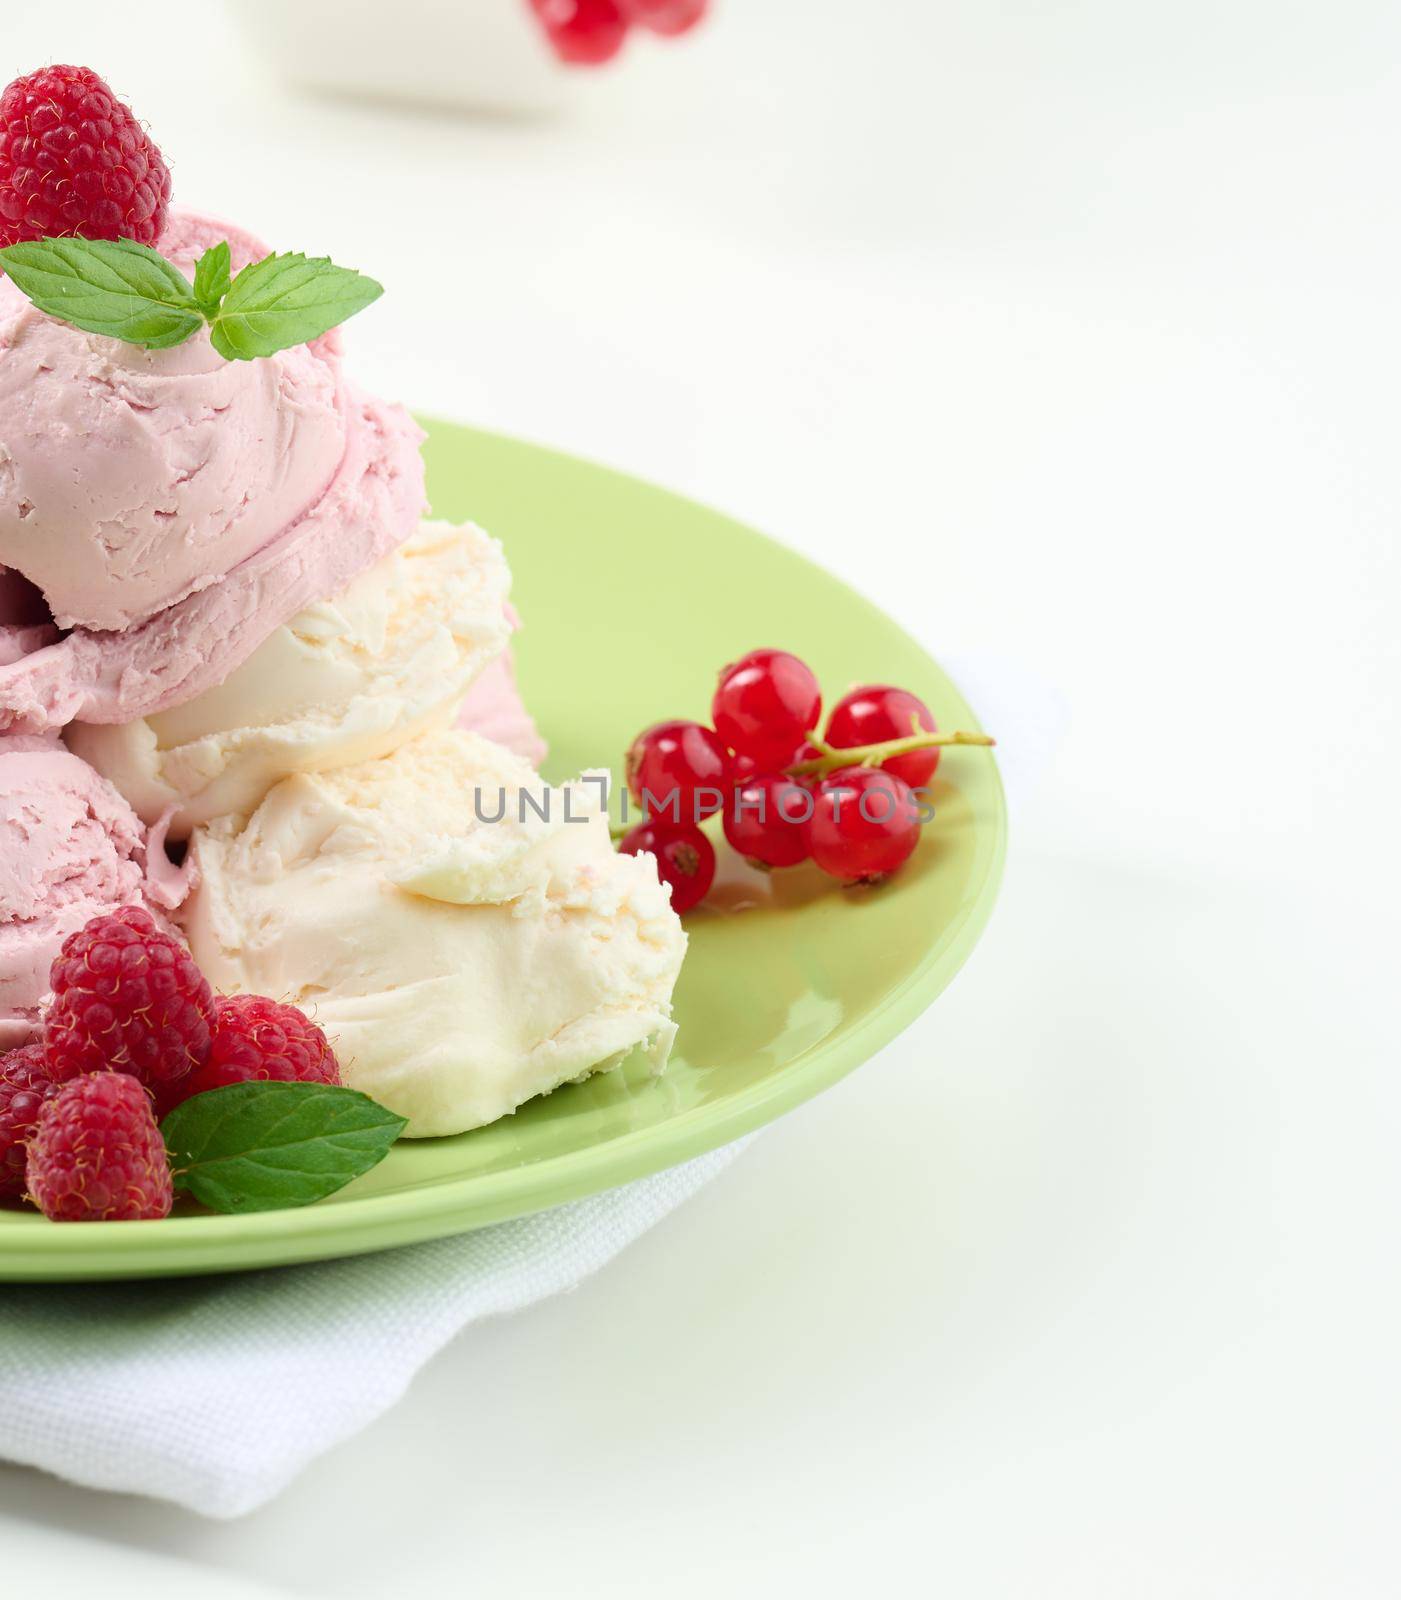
[(632, 600)]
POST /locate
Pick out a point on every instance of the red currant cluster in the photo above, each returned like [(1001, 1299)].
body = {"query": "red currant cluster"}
[(586, 33), (852, 800)]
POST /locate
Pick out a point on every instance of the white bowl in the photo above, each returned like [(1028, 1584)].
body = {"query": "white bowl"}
[(481, 55)]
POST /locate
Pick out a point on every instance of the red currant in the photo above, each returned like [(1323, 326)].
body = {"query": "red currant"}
[(679, 769), (765, 705), (665, 16), (685, 859), (766, 820), (865, 824), (875, 713), (742, 768), (583, 32)]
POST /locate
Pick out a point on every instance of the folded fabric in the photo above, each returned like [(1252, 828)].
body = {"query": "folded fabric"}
[(216, 1392)]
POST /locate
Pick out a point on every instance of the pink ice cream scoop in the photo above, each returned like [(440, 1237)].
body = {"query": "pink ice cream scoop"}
[(70, 849), (372, 506), (494, 708), (174, 508), (130, 478)]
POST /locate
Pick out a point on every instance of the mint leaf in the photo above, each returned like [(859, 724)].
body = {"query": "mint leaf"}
[(129, 291), (286, 300), (262, 1146), (108, 286), (212, 277)]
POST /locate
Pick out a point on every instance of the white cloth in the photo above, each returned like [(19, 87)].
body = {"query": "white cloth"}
[(216, 1392)]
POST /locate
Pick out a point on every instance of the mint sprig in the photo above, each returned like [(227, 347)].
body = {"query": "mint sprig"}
[(262, 1146), (128, 291)]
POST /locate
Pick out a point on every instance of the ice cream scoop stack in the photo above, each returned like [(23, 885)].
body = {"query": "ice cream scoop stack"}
[(226, 618)]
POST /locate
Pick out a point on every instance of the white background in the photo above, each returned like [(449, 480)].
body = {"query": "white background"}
[(1066, 331)]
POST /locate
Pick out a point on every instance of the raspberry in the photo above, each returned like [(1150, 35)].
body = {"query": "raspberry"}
[(97, 1154), (128, 998), (25, 1085), (260, 1039), (73, 160)]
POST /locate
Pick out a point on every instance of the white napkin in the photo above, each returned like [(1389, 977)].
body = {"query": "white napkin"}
[(216, 1392)]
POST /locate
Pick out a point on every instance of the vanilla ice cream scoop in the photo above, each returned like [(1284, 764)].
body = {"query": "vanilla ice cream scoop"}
[(346, 680), (463, 952)]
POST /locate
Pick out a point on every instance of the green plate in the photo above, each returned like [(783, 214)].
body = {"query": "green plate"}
[(632, 600)]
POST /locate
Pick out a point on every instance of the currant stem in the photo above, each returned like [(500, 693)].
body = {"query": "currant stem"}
[(874, 755)]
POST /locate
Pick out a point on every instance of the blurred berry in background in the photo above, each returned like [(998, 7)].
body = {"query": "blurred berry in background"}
[(496, 56)]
